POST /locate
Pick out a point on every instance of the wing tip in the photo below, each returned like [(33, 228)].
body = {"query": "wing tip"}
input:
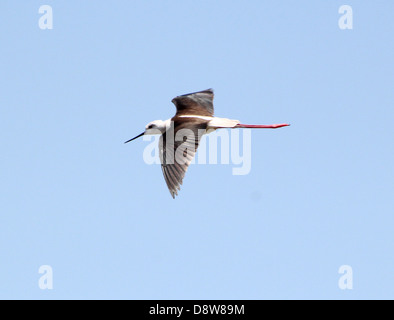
[(174, 193), (209, 91)]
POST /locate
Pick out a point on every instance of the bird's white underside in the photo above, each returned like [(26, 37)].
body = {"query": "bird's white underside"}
[(198, 117), (215, 122)]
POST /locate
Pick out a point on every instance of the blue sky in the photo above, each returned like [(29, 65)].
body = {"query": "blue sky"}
[(319, 195)]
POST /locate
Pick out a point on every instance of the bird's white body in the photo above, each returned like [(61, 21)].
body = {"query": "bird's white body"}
[(213, 124)]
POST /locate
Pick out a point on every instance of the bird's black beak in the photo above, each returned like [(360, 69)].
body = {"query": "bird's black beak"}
[(140, 135)]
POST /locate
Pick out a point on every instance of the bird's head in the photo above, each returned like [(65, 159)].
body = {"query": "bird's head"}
[(154, 127)]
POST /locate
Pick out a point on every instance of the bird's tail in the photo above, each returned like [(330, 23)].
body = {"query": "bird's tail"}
[(217, 123), (262, 126)]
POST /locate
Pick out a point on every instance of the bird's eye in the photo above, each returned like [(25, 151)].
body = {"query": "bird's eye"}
[(150, 126)]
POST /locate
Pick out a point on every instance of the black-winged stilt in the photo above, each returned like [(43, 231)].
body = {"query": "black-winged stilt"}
[(194, 117)]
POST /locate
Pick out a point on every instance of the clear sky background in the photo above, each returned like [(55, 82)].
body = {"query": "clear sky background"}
[(319, 195)]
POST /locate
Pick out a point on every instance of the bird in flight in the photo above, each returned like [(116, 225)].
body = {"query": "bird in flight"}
[(194, 118)]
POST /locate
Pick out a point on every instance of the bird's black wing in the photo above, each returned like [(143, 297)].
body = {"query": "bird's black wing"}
[(177, 152), (197, 103)]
